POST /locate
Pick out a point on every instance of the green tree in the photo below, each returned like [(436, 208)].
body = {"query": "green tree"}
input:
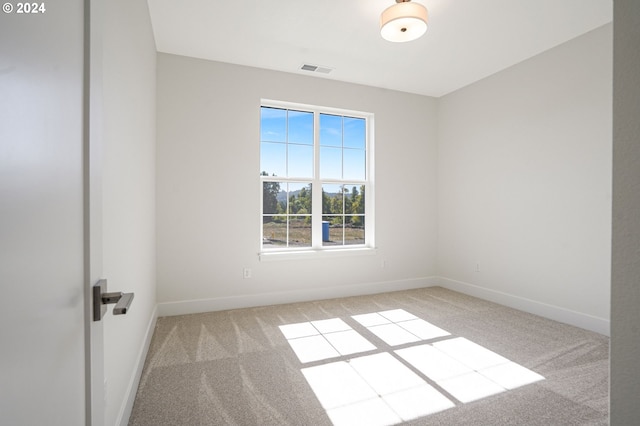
[(348, 204), (326, 203), (337, 206), (357, 206), (305, 198), (270, 192)]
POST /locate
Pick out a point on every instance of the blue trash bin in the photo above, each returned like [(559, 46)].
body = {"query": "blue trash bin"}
[(325, 230)]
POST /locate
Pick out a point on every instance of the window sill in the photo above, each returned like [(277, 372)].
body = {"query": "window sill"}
[(268, 256)]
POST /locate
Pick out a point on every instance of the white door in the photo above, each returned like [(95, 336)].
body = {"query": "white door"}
[(46, 342), (96, 393)]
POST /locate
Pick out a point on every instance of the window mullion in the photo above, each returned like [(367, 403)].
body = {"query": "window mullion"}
[(316, 208)]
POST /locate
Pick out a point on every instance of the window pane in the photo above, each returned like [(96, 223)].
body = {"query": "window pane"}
[(299, 196), (273, 124), (300, 127), (332, 202), (330, 163), (273, 158), (270, 192), (353, 200), (357, 198), (354, 164), (300, 231), (336, 230), (354, 132), (300, 161), (274, 231), (354, 232), (330, 130)]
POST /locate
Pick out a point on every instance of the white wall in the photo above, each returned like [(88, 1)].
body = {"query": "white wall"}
[(129, 69), (208, 188), (524, 183), (42, 319), (625, 293)]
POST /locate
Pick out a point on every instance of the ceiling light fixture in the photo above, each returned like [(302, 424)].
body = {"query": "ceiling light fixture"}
[(404, 21)]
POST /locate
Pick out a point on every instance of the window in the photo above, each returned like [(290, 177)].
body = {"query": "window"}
[(316, 176)]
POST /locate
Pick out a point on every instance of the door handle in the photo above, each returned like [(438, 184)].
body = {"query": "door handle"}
[(101, 298)]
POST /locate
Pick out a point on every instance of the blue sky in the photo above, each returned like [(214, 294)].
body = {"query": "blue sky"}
[(287, 145)]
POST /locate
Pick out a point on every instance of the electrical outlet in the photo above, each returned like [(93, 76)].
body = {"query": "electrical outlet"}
[(246, 273)]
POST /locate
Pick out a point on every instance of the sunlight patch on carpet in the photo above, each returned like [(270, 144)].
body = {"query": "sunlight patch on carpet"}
[(324, 339), (432, 371)]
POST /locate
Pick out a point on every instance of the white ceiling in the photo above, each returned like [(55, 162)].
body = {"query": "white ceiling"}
[(467, 40)]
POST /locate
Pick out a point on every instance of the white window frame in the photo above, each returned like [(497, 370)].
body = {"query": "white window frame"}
[(317, 249)]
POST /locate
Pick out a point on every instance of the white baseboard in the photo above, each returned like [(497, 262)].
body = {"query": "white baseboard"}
[(277, 298), (132, 389), (556, 313)]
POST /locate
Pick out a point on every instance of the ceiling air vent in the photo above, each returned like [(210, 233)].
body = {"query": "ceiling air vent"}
[(316, 68)]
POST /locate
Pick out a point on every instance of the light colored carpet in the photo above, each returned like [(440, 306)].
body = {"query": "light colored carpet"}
[(238, 368)]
